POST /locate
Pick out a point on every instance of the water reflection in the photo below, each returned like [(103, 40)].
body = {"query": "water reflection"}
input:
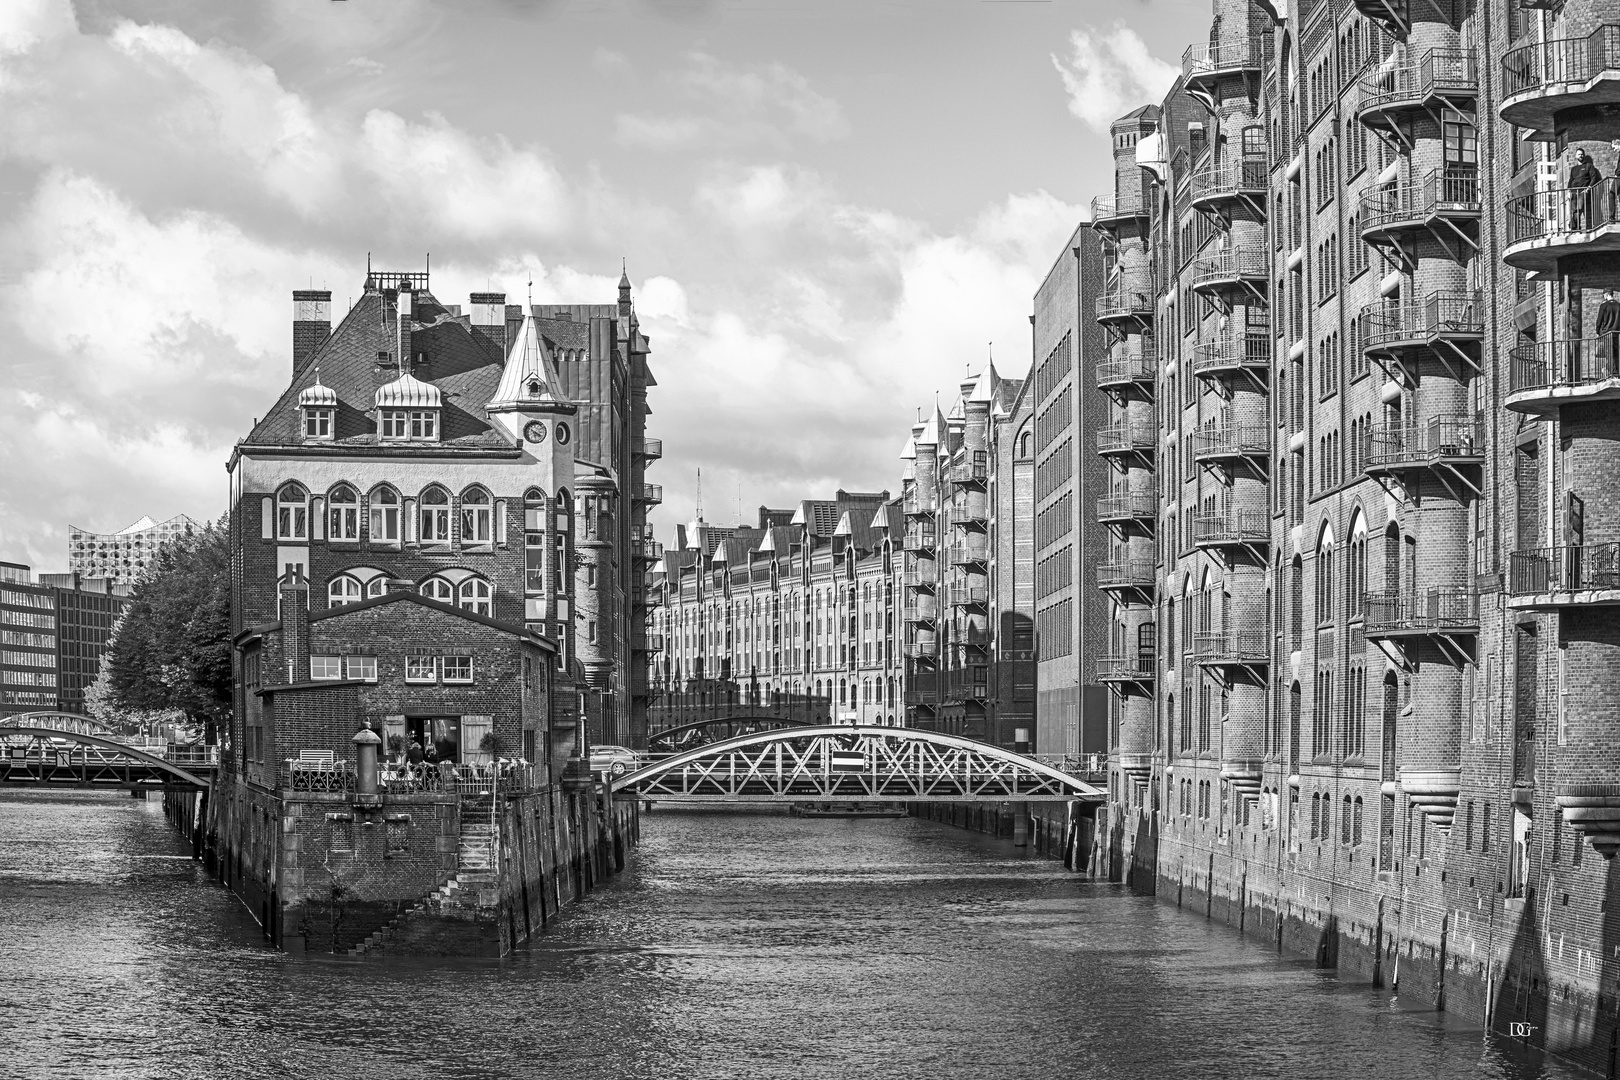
[(735, 947)]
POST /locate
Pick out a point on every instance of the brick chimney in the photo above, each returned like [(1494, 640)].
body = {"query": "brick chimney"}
[(294, 590), (312, 323), (489, 320)]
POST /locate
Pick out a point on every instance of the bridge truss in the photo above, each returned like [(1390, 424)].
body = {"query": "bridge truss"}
[(68, 750), (717, 729), (848, 764)]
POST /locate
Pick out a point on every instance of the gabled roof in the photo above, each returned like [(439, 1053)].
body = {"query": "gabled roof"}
[(984, 388), (909, 451), (958, 412), (929, 436), (880, 520)]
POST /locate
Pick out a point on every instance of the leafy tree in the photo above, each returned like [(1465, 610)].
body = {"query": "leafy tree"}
[(172, 647)]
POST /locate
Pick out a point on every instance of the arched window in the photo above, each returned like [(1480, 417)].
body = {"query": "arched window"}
[(475, 596), (343, 514), (377, 585), (437, 588), (475, 517), (292, 513), (384, 515), (843, 692), (435, 516), (341, 590)]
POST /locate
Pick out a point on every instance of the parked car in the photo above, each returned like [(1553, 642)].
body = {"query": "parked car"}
[(617, 760)]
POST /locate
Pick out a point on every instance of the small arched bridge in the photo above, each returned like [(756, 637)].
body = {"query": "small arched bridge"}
[(852, 764), (717, 729), (69, 750)]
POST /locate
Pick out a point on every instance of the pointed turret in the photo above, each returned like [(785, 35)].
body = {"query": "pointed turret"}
[(530, 377)]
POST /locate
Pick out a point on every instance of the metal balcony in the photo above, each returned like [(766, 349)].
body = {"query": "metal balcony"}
[(1547, 375), (648, 448), (976, 471), (970, 596), (1440, 79), (1449, 321), (917, 613), (1126, 439), (921, 650), (916, 505), (1134, 372), (1563, 576), (1231, 444), (1232, 354), (1203, 65), (1127, 508), (1539, 81), (1443, 609), (647, 643), (1233, 184), (1445, 205), (646, 550), (651, 493), (1132, 575), (922, 575), (1448, 442), (1393, 15), (1109, 212), (1234, 528), (919, 540), (969, 554), (1226, 272), (1142, 668), (1128, 300), (1546, 226), (1232, 648)]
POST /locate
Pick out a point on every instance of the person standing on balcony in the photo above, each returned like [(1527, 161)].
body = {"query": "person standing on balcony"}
[(1584, 179), (1608, 335)]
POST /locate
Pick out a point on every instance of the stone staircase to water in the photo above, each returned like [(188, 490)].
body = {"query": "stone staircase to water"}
[(471, 887)]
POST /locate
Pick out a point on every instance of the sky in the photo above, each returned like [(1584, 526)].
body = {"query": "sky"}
[(831, 211)]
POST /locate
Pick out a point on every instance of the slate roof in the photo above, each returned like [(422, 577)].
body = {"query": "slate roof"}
[(466, 368)]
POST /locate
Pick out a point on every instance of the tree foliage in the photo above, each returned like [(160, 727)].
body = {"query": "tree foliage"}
[(172, 647)]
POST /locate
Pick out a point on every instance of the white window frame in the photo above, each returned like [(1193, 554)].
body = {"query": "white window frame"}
[(343, 516), (424, 425), (360, 668), (342, 590), (469, 598), (385, 514), (440, 518), (292, 515), (323, 668), (318, 424), (438, 584), (393, 424), (414, 666), (445, 665), (477, 519)]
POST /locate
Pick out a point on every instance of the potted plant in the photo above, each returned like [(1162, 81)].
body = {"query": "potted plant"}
[(492, 745), (396, 746)]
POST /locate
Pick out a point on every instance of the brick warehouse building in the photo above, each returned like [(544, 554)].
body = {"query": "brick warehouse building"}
[(1361, 274), (405, 522), (797, 617)]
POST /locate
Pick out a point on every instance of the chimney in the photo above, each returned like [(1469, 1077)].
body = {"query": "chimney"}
[(403, 347), (294, 590), (312, 323), (489, 319)]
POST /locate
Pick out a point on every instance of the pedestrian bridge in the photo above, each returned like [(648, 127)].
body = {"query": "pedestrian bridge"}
[(841, 763), (69, 750), (717, 729)]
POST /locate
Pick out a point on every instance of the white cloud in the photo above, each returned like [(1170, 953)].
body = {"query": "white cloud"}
[(366, 65), (763, 104), (1109, 73)]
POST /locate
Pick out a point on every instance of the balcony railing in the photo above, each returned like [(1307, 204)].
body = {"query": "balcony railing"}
[(1130, 506), (1558, 69), (923, 573), (1565, 212), (969, 553), (1140, 668), (1232, 647), (971, 472), (647, 550), (917, 613), (1458, 439), (920, 540), (1232, 352), (1444, 193), (969, 596), (1232, 527), (1232, 179), (916, 503), (1443, 608), (1229, 268), (1441, 73), (1441, 315), (1126, 438), (925, 650), (1107, 209), (1570, 568), (651, 493), (1210, 59), (1231, 441), (647, 642), (1131, 297), (1545, 368), (1135, 369), (648, 448), (1131, 574)]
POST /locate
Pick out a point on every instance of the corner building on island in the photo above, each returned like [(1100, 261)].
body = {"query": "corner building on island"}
[(1361, 350), (406, 522)]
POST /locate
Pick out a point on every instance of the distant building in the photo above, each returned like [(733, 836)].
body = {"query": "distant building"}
[(52, 636), (121, 557)]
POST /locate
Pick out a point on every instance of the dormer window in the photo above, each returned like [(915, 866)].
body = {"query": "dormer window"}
[(317, 423), (414, 425)]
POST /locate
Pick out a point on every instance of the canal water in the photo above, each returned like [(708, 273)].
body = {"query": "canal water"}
[(745, 947)]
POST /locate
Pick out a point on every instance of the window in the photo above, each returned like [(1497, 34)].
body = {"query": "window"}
[(326, 667), (475, 596), (361, 667), (420, 669), (475, 517), (435, 516), (421, 425), (395, 424), (457, 669), (384, 515), (377, 586), (292, 513), (317, 423), (424, 424), (342, 590), (437, 588), (343, 514)]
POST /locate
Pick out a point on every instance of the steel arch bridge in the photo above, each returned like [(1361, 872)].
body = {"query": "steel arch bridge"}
[(847, 764), (717, 729), (59, 750)]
